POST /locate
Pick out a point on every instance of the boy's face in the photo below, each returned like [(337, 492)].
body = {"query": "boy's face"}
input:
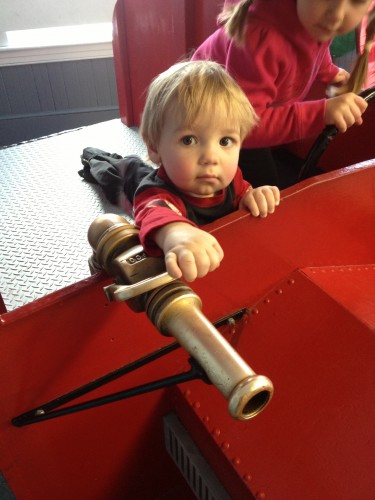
[(200, 159), (325, 19)]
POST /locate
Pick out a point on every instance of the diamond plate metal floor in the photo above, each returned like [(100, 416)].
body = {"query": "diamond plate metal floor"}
[(46, 209)]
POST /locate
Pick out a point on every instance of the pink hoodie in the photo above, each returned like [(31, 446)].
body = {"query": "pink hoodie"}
[(362, 39), (276, 69)]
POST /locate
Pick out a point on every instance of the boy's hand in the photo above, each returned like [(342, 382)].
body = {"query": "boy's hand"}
[(189, 251), (261, 201), (345, 110)]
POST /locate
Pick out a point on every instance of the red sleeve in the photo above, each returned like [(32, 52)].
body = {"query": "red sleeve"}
[(328, 70), (275, 84), (155, 208), (240, 186)]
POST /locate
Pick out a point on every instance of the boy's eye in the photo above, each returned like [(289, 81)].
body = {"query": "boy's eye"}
[(226, 141), (188, 140)]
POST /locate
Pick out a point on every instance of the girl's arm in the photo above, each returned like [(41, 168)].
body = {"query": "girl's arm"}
[(277, 83)]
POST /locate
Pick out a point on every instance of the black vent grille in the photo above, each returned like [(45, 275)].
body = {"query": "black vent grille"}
[(185, 454)]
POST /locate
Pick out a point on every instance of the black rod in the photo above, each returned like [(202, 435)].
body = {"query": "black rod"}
[(109, 377), (39, 414)]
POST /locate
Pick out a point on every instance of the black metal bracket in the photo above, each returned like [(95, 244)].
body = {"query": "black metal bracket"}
[(52, 409)]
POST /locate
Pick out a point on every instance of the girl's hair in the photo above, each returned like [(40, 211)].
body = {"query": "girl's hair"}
[(190, 89), (234, 18)]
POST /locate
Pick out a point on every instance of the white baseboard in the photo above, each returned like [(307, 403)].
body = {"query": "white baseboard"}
[(56, 44)]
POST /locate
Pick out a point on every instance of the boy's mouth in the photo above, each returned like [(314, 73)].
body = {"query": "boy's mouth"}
[(207, 176)]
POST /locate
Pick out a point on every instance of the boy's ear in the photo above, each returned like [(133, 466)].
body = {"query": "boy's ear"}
[(153, 154)]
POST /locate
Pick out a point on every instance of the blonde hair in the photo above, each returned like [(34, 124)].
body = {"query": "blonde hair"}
[(234, 20), (193, 88)]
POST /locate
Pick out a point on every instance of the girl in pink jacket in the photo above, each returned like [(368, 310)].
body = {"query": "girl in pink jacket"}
[(276, 50)]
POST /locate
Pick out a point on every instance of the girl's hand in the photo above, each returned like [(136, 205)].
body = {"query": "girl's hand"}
[(189, 251), (345, 110), (261, 201), (341, 78), (338, 85)]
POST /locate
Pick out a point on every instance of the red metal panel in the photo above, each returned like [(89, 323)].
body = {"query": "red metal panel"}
[(201, 20), (316, 438), (310, 337), (122, 71), (2, 305), (351, 286), (148, 37), (311, 346), (324, 221), (56, 344)]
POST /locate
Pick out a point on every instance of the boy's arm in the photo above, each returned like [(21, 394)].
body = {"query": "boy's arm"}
[(189, 251), (164, 228)]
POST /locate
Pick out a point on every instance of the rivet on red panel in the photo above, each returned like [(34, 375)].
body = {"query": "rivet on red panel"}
[(225, 445), (216, 432), (261, 495)]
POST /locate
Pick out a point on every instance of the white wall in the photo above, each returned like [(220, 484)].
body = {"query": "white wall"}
[(30, 14)]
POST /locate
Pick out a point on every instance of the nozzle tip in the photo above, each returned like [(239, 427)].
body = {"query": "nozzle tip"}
[(250, 397)]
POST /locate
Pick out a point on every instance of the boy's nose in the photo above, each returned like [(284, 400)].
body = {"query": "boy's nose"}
[(208, 155)]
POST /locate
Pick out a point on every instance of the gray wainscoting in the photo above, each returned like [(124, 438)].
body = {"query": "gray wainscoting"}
[(47, 98)]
